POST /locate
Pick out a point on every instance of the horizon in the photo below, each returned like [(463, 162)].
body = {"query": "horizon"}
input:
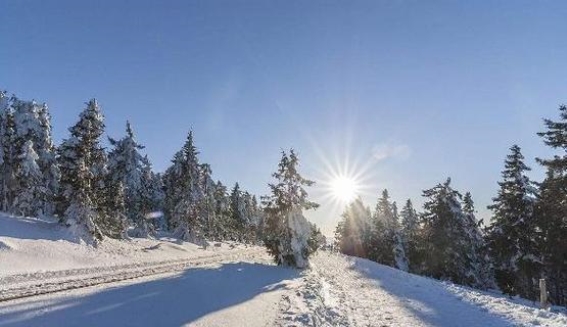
[(401, 94)]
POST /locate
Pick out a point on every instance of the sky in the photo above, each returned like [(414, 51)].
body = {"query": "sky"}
[(401, 94)]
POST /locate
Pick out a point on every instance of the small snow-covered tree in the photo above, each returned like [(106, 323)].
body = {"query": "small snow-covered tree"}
[(31, 192), (287, 232)]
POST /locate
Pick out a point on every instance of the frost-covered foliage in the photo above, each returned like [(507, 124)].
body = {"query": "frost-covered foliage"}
[(512, 235), (287, 232)]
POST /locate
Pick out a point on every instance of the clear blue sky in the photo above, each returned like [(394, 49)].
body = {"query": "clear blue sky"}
[(414, 91)]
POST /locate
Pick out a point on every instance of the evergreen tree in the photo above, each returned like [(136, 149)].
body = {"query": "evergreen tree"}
[(511, 237), (446, 243), (47, 161), (150, 198), (184, 193), (31, 192), (7, 152), (551, 217), (410, 236), (384, 238), (481, 272), (82, 163), (125, 166), (400, 258), (287, 231), (237, 213)]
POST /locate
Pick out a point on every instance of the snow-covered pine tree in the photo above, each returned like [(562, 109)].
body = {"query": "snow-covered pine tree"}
[(287, 231), (82, 162), (446, 243), (511, 238), (400, 257), (208, 212), (184, 195), (385, 245), (32, 123), (7, 152), (551, 215), (113, 219), (47, 160), (481, 275), (173, 188), (221, 225), (352, 232), (30, 195), (151, 197), (125, 165), (410, 236), (237, 214)]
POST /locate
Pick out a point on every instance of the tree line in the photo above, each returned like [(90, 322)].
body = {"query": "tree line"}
[(525, 240), (114, 192)]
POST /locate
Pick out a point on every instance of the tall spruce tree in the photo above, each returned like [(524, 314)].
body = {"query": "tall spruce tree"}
[(184, 194), (287, 231), (83, 170), (552, 209), (511, 238)]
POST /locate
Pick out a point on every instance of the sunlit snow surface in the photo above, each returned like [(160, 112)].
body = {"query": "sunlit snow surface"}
[(233, 289)]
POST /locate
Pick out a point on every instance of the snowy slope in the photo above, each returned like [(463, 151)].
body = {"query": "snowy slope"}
[(30, 245)]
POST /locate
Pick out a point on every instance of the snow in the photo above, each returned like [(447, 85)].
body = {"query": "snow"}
[(165, 282), (40, 245)]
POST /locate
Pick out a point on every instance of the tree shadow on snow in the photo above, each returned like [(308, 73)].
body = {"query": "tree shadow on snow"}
[(428, 299), (170, 301)]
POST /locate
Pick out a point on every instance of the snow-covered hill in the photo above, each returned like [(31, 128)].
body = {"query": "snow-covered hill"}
[(164, 282)]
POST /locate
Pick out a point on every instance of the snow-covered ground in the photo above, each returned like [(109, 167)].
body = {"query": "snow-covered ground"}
[(164, 282)]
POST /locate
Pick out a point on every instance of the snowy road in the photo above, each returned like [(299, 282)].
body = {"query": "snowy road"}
[(25, 285), (337, 291)]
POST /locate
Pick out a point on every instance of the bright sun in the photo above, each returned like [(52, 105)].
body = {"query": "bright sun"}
[(344, 189)]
